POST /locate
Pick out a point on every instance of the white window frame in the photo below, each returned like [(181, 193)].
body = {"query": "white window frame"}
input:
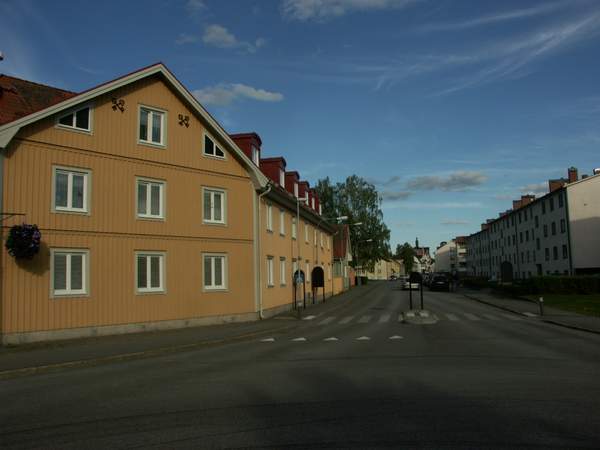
[(269, 211), (149, 182), (312, 202), (74, 127), (282, 271), (224, 275), (270, 272), (85, 272), (163, 126), (213, 191), (282, 222), (215, 146), (87, 188), (255, 156), (282, 178), (161, 270), (294, 228)]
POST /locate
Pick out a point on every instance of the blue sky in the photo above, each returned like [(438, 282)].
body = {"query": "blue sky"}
[(452, 108)]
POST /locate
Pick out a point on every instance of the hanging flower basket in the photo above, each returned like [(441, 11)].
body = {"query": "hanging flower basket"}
[(23, 241)]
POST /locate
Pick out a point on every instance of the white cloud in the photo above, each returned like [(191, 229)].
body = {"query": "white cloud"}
[(184, 38), (457, 181), (394, 196), (454, 222), (226, 93), (219, 36), (303, 10), (516, 14), (194, 6), (536, 188)]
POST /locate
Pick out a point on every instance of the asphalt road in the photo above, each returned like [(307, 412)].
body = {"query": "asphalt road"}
[(472, 377)]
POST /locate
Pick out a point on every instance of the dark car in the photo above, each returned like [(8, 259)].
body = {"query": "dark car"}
[(439, 283)]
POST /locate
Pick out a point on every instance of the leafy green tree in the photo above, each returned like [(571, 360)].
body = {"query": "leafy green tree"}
[(360, 202), (406, 254)]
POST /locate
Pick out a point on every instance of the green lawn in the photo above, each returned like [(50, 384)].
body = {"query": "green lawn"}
[(582, 304)]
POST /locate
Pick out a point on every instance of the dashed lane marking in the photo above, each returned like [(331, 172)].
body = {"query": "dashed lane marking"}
[(299, 339), (471, 316), (309, 317), (395, 337), (326, 321), (363, 338), (364, 319), (330, 339), (346, 320), (510, 316), (384, 318), (452, 317), (490, 316), (267, 340)]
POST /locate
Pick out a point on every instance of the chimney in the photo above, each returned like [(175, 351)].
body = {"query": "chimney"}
[(555, 184), (274, 168), (572, 174), (291, 179), (527, 199)]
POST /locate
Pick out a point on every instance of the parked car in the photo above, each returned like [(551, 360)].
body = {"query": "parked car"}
[(393, 277), (440, 283)]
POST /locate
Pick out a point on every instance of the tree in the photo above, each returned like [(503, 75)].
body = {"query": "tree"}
[(359, 201), (406, 254)]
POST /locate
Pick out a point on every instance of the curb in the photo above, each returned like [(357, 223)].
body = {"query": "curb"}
[(550, 321), (15, 373)]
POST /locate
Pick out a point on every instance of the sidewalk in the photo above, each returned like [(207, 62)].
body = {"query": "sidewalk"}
[(530, 308), (49, 356)]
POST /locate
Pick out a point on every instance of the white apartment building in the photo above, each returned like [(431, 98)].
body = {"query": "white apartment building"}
[(558, 233), (451, 257)]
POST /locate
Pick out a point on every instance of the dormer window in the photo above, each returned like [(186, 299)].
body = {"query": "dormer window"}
[(255, 156), (281, 178), (78, 119), (212, 149), (296, 190)]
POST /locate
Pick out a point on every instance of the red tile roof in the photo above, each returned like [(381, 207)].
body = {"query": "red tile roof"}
[(19, 98)]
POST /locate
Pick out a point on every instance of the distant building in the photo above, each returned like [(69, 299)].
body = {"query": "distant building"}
[(424, 258), (451, 256), (558, 233), (384, 269)]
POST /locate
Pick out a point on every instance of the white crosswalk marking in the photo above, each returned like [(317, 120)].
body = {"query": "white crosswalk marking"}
[(384, 318), (364, 319), (395, 337), (471, 316), (346, 320), (410, 314), (452, 317), (328, 320), (267, 340), (309, 317), (330, 339), (299, 339), (363, 338), (490, 316), (424, 313), (510, 316)]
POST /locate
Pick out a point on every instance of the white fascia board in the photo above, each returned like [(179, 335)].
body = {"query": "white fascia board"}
[(9, 130)]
